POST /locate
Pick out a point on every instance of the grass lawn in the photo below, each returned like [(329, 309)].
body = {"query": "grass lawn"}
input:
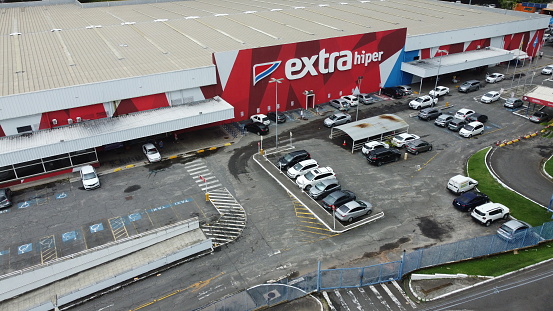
[(549, 166), (520, 208)]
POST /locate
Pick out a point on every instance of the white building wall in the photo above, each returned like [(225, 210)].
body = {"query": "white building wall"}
[(83, 95), (10, 126)]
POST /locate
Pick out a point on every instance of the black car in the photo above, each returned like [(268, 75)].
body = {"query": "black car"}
[(5, 197), (469, 200), (456, 124), (290, 159), (380, 156), (393, 92), (477, 117), (540, 116), (257, 128), (275, 116), (427, 114), (337, 199)]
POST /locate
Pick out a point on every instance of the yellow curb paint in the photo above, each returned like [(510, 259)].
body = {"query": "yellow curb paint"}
[(502, 145), (173, 157), (227, 144), (117, 169), (129, 166), (212, 148), (200, 151)]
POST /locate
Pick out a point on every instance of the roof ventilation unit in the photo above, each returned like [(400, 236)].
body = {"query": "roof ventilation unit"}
[(54, 122), (79, 119), (69, 121)]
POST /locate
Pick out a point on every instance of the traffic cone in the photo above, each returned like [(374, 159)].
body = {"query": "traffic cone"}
[(344, 143)]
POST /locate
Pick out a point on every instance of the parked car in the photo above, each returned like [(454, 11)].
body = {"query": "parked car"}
[(290, 159), (423, 102), (489, 212), (260, 118), (5, 197), (89, 177), (467, 201), (400, 139), (513, 229), (417, 146), (540, 116), (366, 99), (472, 129), (393, 92), (406, 89), (428, 114), (443, 120), (301, 168), (353, 209), (337, 119), (513, 102), (352, 100), (477, 117), (463, 113), (340, 104), (324, 188), (372, 145), (456, 124), (490, 97), (439, 91), (257, 128), (495, 77), (275, 116), (314, 176), (337, 199), (460, 184), (469, 86), (151, 152), (547, 70), (381, 156)]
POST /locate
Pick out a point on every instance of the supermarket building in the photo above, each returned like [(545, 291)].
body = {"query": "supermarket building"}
[(77, 77)]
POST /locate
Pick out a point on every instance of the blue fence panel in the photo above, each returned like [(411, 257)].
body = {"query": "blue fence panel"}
[(411, 261)]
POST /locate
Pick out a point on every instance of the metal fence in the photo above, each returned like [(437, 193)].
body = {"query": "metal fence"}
[(327, 279)]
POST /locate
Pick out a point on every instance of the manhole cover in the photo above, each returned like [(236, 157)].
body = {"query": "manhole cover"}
[(128, 198)]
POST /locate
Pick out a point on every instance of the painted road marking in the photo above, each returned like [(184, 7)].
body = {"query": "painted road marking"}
[(96, 227), (4, 252), (135, 217), (62, 195), (23, 204), (25, 248), (48, 249), (182, 202), (118, 228), (69, 236)]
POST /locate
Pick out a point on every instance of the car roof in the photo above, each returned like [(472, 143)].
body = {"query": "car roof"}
[(340, 114), (493, 92), (329, 181), (149, 145), (475, 123), (322, 170), (489, 206), (462, 110), (374, 143), (87, 169), (515, 224), (306, 162)]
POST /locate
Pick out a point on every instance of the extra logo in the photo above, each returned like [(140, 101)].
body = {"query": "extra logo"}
[(321, 63), (264, 70)]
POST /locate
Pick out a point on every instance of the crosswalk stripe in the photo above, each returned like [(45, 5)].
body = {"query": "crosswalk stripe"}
[(364, 294), (325, 295), (342, 302), (380, 298), (213, 186), (354, 299), (392, 296), (396, 285)]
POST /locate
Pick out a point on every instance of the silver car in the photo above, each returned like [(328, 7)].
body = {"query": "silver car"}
[(353, 209), (337, 119), (324, 188)]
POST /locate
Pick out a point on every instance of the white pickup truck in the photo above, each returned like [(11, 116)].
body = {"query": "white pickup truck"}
[(260, 118)]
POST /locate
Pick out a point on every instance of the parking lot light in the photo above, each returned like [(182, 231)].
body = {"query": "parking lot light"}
[(278, 81), (438, 73)]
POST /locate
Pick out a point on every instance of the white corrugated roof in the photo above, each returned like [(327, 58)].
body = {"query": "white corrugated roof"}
[(55, 46), (93, 133), (370, 127)]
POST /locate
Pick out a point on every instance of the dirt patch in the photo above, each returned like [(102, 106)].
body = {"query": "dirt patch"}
[(132, 188), (432, 229), (239, 160)]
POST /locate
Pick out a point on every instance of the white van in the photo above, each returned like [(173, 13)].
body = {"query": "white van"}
[(459, 184)]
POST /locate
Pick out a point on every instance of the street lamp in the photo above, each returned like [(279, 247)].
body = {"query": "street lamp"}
[(278, 81), (359, 80), (438, 73)]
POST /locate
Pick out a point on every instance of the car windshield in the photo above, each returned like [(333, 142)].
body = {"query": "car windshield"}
[(468, 127), (288, 158), (477, 211), (298, 166), (419, 99), (320, 186), (88, 176), (2, 198), (343, 209), (310, 175), (151, 151), (333, 117), (489, 95), (507, 229), (398, 137)]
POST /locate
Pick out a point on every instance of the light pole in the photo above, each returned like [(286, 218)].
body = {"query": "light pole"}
[(359, 79), (273, 80), (438, 73)]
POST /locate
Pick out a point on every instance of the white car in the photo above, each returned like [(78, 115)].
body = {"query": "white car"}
[(368, 147), (314, 176), (401, 139), (423, 102), (495, 77), (89, 177), (489, 212), (490, 97), (351, 99), (337, 119), (301, 168), (151, 152), (547, 70), (472, 129), (439, 91), (340, 104), (463, 113), (260, 118)]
